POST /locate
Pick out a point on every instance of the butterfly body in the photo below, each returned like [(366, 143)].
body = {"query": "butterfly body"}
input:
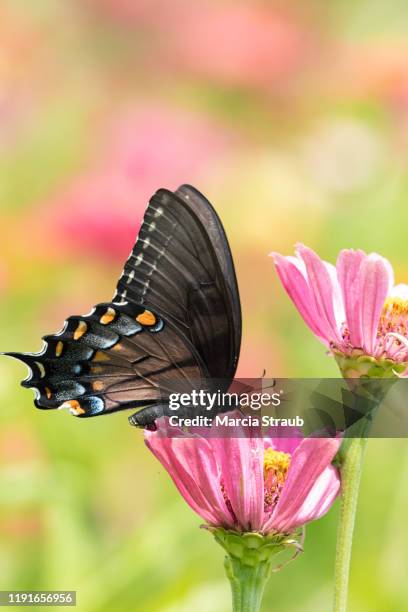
[(174, 322)]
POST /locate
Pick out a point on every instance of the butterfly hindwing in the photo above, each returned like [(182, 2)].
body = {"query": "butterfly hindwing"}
[(116, 357)]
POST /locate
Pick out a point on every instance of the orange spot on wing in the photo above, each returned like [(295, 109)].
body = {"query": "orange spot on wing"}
[(97, 385), (75, 407), (108, 317), (99, 356), (58, 348), (146, 318), (80, 330)]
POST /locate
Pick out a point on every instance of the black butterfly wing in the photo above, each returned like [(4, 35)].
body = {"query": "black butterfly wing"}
[(114, 358), (174, 321), (181, 266)]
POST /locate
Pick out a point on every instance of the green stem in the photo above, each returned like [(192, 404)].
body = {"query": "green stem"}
[(368, 395), (249, 562), (350, 483), (247, 583)]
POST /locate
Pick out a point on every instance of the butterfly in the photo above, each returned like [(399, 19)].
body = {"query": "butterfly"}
[(174, 321)]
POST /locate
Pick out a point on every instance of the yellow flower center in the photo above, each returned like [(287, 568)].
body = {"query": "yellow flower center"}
[(394, 316), (393, 329), (395, 305), (276, 466), (392, 336)]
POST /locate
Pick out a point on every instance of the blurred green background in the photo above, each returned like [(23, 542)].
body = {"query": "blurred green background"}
[(293, 119)]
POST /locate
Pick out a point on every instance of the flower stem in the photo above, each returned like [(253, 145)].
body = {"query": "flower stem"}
[(350, 482), (249, 562), (247, 583)]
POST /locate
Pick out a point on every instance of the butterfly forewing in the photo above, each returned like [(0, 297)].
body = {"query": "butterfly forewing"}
[(181, 266)]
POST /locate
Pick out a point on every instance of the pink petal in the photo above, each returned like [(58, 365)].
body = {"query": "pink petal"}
[(393, 349), (348, 267), (200, 458), (310, 459), (324, 290), (299, 292), (337, 296), (241, 461), (320, 498), (285, 445), (375, 279), (190, 463)]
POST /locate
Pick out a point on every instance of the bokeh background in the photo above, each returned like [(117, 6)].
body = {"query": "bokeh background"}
[(293, 119)]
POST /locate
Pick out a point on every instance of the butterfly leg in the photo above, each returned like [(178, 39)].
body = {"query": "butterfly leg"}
[(146, 417)]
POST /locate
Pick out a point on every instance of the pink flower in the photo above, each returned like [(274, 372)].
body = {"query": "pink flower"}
[(249, 483), (152, 146), (257, 46), (354, 308), (99, 213), (236, 44)]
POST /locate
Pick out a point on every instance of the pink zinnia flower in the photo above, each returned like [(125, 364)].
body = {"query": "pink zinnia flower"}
[(258, 46), (354, 308), (155, 143), (247, 483), (99, 213), (152, 146)]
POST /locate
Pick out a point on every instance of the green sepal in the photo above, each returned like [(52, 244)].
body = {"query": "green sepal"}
[(253, 547), (360, 365), (248, 562)]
